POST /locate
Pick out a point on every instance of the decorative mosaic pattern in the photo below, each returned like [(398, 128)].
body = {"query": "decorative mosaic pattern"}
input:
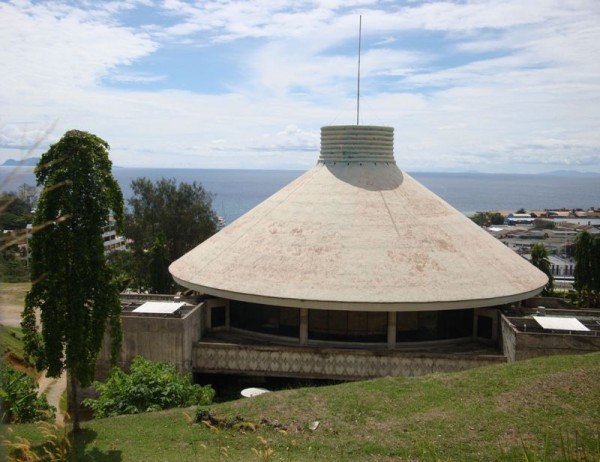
[(331, 364)]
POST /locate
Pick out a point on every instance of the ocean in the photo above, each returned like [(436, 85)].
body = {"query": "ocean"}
[(237, 191)]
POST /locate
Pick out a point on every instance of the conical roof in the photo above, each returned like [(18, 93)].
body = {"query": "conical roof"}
[(356, 233)]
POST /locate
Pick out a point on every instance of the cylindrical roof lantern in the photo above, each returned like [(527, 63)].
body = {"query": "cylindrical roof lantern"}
[(357, 143)]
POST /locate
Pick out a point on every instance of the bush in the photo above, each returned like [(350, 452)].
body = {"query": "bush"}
[(20, 402), (13, 268), (150, 386)]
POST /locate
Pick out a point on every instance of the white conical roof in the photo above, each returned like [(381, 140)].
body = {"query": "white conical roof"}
[(356, 233)]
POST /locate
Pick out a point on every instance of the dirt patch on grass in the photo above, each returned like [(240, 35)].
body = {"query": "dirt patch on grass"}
[(19, 364)]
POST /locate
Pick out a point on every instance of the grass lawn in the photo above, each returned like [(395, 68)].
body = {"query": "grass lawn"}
[(489, 413), (12, 301), (13, 293)]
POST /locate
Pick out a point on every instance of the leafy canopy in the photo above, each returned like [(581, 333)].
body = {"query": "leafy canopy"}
[(150, 386), (587, 268), (166, 220), (72, 288), (488, 218)]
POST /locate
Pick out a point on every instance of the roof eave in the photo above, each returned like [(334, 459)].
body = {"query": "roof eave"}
[(434, 305)]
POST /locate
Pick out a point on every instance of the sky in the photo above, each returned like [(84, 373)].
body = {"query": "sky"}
[(482, 85)]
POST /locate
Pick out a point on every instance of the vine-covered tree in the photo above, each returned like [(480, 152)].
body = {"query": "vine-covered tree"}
[(539, 259), (587, 268), (72, 287), (180, 215)]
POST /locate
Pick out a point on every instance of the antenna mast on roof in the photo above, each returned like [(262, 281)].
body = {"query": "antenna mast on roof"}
[(358, 82)]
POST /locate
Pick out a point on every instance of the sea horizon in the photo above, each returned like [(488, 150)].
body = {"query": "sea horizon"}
[(565, 172), (235, 191)]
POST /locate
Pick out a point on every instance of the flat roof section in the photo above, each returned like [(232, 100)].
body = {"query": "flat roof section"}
[(560, 323), (159, 307)]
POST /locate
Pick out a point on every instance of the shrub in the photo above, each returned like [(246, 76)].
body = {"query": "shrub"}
[(150, 386), (20, 402)]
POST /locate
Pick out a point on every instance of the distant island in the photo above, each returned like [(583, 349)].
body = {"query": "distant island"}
[(570, 173), (29, 162)]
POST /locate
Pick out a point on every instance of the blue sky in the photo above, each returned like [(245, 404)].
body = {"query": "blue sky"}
[(492, 86)]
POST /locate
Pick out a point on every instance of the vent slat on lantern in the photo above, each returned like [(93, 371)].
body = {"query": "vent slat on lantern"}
[(357, 143)]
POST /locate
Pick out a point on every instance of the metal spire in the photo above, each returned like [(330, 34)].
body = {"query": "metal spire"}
[(358, 82)]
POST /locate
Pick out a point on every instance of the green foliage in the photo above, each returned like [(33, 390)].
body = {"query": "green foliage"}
[(587, 269), (13, 268), (150, 386), (488, 218), (20, 402), (521, 210), (72, 287), (15, 213), (539, 259), (160, 278), (180, 215), (28, 194), (122, 265), (540, 223)]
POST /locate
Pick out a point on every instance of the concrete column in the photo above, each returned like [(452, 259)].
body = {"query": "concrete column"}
[(202, 320), (209, 316), (303, 326), (391, 331), (495, 326)]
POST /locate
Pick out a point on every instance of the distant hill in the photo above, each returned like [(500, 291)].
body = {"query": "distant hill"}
[(570, 173), (29, 162)]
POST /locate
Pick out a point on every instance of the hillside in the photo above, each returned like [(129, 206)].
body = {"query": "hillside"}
[(490, 413), (28, 162)]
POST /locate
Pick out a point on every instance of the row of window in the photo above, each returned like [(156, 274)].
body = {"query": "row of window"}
[(351, 326)]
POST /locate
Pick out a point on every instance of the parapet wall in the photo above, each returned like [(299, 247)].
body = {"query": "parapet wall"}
[(333, 364), (520, 345)]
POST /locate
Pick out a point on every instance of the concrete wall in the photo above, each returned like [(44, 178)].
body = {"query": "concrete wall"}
[(158, 338), (334, 364), (523, 345)]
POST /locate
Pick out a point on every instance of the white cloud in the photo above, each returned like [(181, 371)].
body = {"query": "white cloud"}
[(480, 83)]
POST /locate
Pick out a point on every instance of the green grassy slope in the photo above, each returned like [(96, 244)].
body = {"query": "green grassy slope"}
[(489, 413)]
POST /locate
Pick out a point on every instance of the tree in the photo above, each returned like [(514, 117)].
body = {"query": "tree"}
[(496, 218), (15, 213), (160, 278), (72, 287), (122, 266), (181, 215), (28, 194), (587, 268), (539, 259), (540, 223), (488, 218)]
